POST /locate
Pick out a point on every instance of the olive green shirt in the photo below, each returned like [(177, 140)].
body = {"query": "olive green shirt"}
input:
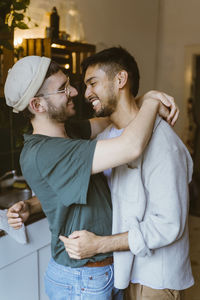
[(59, 172)]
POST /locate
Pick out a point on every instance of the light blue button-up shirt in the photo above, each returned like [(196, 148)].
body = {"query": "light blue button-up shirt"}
[(150, 201)]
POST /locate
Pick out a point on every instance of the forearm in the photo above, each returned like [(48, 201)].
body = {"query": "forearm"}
[(117, 242), (98, 125), (130, 145), (165, 179), (34, 205)]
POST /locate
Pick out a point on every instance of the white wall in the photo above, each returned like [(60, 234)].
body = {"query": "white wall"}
[(129, 23), (179, 26)]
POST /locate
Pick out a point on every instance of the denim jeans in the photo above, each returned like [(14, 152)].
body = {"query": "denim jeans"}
[(86, 283)]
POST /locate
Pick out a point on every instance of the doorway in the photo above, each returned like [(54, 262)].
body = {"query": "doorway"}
[(193, 132)]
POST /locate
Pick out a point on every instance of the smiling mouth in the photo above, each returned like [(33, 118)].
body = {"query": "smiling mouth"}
[(95, 102)]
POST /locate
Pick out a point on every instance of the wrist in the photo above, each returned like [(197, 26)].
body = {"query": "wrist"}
[(116, 242), (151, 102), (34, 205), (151, 105), (28, 206), (102, 243)]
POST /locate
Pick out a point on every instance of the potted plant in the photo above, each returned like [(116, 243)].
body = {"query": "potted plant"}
[(12, 15)]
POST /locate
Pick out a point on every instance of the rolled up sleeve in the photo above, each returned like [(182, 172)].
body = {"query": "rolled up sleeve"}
[(166, 189)]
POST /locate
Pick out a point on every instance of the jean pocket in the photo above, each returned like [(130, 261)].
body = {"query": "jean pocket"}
[(57, 290), (99, 282)]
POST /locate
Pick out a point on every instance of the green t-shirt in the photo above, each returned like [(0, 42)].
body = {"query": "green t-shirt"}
[(79, 129), (58, 170)]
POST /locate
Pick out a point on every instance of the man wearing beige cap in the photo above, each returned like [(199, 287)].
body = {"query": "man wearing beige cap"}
[(65, 173)]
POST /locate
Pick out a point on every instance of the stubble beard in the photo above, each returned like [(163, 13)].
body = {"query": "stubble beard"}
[(110, 107), (60, 114)]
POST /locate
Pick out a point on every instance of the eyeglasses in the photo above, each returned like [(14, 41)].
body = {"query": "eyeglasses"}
[(66, 90)]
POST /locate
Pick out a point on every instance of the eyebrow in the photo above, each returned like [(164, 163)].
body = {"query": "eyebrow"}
[(89, 79), (63, 84)]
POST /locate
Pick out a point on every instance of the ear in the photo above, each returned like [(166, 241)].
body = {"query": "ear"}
[(122, 78), (36, 104)]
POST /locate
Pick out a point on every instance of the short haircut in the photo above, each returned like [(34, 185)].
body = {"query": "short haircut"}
[(113, 60), (53, 69)]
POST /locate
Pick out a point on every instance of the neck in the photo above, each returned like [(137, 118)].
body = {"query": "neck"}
[(125, 112), (46, 126)]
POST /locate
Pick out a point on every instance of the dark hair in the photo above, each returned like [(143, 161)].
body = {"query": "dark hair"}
[(53, 69), (113, 60)]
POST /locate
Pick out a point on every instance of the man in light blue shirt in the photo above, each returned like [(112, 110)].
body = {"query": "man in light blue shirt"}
[(149, 195)]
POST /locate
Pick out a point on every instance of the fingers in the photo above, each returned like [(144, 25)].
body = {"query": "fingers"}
[(76, 234), (73, 255), (16, 207), (160, 96), (63, 238), (13, 215), (71, 247), (169, 102), (168, 108), (163, 111), (169, 98), (15, 222), (175, 118), (164, 99), (72, 243), (174, 110), (173, 115)]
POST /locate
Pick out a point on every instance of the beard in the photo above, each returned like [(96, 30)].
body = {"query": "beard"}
[(60, 114), (107, 110), (111, 105)]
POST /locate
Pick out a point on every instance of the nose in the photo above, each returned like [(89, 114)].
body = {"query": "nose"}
[(73, 91), (87, 92)]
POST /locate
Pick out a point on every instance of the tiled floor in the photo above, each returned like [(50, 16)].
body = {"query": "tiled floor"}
[(193, 293)]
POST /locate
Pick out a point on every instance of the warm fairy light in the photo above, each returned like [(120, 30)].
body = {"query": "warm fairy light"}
[(17, 42), (74, 62), (67, 66), (57, 46), (72, 12)]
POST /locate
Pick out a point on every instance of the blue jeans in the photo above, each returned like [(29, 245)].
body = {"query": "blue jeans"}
[(86, 283)]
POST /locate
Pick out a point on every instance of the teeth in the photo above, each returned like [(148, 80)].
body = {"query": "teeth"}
[(96, 102)]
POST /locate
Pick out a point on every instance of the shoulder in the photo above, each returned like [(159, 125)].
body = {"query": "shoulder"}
[(164, 138), (166, 147)]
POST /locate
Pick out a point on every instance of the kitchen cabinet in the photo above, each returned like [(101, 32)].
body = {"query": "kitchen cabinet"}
[(22, 267)]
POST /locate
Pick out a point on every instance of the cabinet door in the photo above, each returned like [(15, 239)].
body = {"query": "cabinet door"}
[(44, 255), (20, 279)]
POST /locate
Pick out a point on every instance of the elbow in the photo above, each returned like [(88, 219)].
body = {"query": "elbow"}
[(136, 152), (132, 150), (174, 233)]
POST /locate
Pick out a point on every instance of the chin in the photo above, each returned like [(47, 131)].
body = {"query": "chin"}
[(99, 113)]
